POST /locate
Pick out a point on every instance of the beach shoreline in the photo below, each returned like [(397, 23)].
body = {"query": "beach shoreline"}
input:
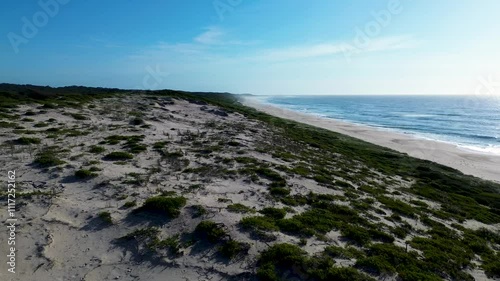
[(467, 161)]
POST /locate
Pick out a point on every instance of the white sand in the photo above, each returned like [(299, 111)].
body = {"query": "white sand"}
[(469, 162)]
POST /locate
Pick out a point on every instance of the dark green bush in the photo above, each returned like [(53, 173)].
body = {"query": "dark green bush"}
[(356, 234), (376, 265), (119, 156), (106, 217), (273, 213), (258, 223), (48, 158), (232, 249), (130, 204), (137, 121), (279, 191), (210, 231), (27, 141), (96, 149), (40, 125), (78, 116), (85, 174), (169, 206), (239, 208)]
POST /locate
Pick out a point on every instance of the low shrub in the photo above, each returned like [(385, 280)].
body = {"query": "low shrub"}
[(210, 231), (165, 205), (279, 191), (343, 253), (40, 125), (129, 204), (137, 121), (85, 174), (198, 211), (106, 217), (258, 223), (239, 208), (78, 116), (96, 149), (277, 258), (27, 141), (273, 213), (356, 234), (232, 249), (119, 156), (48, 158), (375, 265)]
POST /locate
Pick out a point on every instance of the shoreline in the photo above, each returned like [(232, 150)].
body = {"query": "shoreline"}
[(467, 161)]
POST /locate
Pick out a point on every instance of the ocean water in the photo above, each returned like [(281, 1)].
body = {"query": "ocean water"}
[(470, 122)]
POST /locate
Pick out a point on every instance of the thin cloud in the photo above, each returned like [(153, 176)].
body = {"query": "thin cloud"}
[(211, 36), (210, 49), (335, 48)]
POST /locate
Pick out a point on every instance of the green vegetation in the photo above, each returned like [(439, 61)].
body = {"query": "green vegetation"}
[(143, 232), (48, 157), (159, 145), (210, 231), (119, 156), (4, 124), (137, 121), (96, 149), (258, 223), (132, 143), (85, 174), (27, 141), (239, 208), (165, 205), (172, 244), (398, 207), (273, 213), (106, 217), (343, 253), (40, 125), (78, 116), (198, 211), (232, 249), (130, 204), (280, 259)]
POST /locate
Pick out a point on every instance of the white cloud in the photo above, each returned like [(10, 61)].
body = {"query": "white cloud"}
[(211, 36), (335, 48)]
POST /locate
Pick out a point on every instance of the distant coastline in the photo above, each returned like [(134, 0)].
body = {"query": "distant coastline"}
[(446, 119), (468, 161)]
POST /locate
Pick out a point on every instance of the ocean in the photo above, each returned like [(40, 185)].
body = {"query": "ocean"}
[(470, 122)]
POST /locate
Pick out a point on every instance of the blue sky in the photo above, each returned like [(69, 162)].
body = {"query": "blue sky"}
[(253, 46)]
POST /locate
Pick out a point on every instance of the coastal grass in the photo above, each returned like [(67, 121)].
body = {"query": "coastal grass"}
[(48, 157)]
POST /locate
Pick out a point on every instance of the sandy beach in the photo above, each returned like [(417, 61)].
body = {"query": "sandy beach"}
[(469, 162)]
